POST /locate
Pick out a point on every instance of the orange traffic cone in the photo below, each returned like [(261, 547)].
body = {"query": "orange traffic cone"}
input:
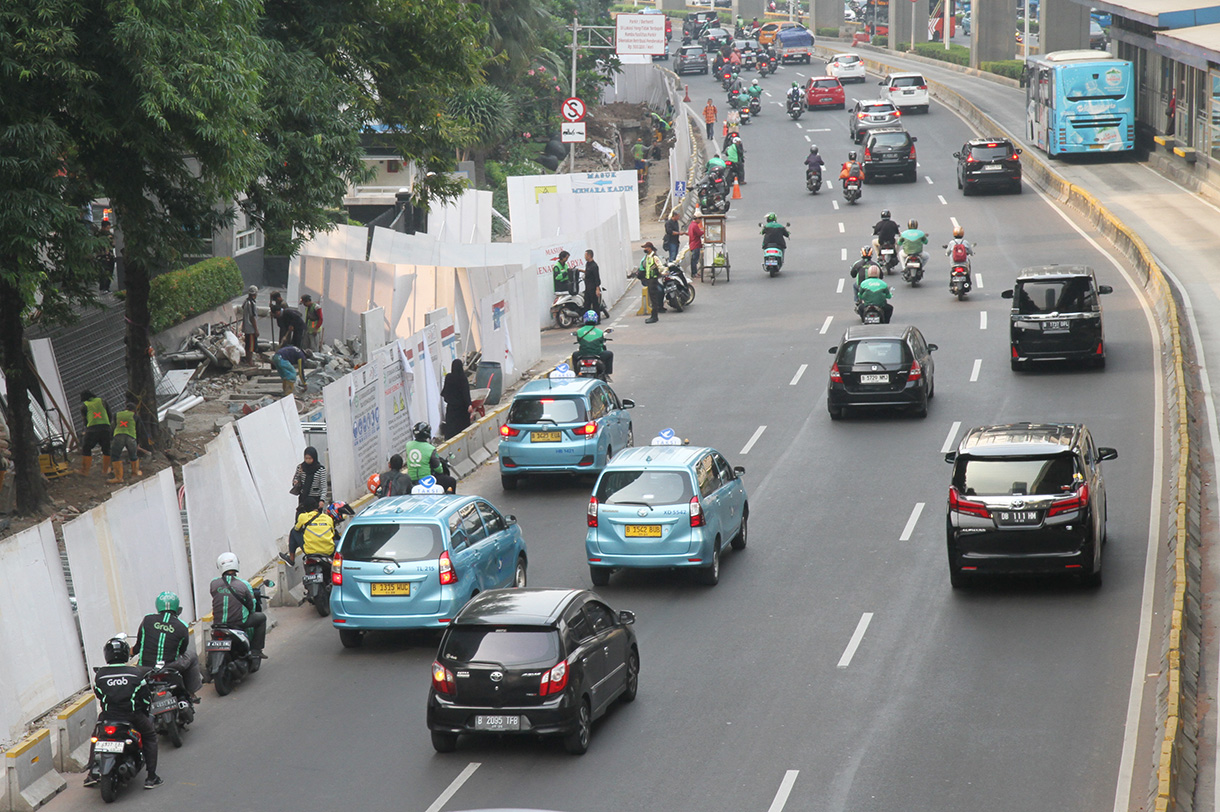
[(686, 98), (736, 190)]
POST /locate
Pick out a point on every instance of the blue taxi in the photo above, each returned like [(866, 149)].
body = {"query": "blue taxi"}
[(563, 425), (411, 562), (666, 505)]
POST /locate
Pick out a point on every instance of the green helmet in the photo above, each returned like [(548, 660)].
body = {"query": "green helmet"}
[(168, 602), (794, 84), (771, 218)]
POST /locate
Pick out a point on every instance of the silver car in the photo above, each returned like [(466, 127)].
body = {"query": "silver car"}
[(869, 114)]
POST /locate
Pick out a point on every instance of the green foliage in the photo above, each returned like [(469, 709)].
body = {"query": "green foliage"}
[(881, 42), (956, 54), (828, 32), (176, 296), (1004, 67), (488, 115)]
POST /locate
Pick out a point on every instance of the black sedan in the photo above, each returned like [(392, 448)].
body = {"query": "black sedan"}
[(988, 162), (881, 365), (541, 662)]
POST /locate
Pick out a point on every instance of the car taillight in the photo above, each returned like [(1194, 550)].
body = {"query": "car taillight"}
[(1100, 348), (555, 680), (970, 159), (1014, 353), (912, 152), (696, 512), (916, 372), (336, 570), (835, 377), (868, 154), (1076, 501), (508, 431), (1016, 157), (859, 115), (922, 87), (110, 730), (592, 518), (587, 430), (966, 506), (448, 576), (442, 679)]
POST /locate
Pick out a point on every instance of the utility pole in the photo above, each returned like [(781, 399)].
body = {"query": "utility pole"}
[(945, 27), (914, 5), (575, 47), (1025, 39)]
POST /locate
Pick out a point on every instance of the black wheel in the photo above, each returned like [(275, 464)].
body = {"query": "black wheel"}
[(1017, 366), (710, 575), (957, 578), (633, 677), (688, 296), (676, 303), (577, 742), (1092, 580), (109, 788), (444, 742), (600, 576), (174, 732), (566, 318), (739, 541), (921, 408), (965, 190), (1017, 187), (961, 297), (1099, 363), (959, 180), (222, 682), (321, 602), (255, 664), (519, 579), (508, 482), (351, 638), (912, 176), (931, 388), (836, 412)]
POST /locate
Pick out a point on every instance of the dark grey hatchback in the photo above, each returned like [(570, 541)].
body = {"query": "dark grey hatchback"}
[(531, 661), (1056, 316), (881, 365)]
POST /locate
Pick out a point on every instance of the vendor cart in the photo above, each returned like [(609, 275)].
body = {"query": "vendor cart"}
[(714, 261)]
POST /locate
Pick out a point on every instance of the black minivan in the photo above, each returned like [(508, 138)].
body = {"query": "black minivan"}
[(1056, 316)]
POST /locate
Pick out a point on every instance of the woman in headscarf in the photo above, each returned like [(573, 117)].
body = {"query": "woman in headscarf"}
[(456, 394), (309, 481)]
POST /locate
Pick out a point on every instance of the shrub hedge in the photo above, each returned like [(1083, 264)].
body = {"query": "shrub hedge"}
[(1004, 67), (828, 32), (880, 42), (176, 296), (957, 54)]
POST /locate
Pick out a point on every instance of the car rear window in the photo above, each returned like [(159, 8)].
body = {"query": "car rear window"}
[(891, 139), (503, 645), (826, 83), (1034, 297), (878, 109), (907, 81), (692, 51), (391, 542), (847, 60), (547, 410), (1020, 476), (875, 351), (995, 153), (644, 488)]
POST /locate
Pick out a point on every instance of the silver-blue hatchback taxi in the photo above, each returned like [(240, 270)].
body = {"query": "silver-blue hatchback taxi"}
[(666, 506), (563, 426), (411, 562)]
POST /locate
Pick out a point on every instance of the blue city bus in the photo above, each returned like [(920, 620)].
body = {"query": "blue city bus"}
[(1080, 101)]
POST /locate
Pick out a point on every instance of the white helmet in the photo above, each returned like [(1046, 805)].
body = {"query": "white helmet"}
[(226, 562)]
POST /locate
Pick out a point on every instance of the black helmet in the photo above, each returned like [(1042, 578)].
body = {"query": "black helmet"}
[(912, 224), (813, 149), (851, 156), (422, 432), (116, 651), (885, 214)]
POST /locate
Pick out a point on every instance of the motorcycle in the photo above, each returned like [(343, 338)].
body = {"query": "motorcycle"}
[(714, 194), (959, 277), (317, 581), (744, 113), (755, 105), (171, 708), (871, 314), (765, 66), (813, 180), (230, 657), (773, 259), (795, 108), (727, 77), (567, 309), (912, 269), (677, 290), (590, 366), (851, 189), (737, 99), (888, 256), (117, 757)]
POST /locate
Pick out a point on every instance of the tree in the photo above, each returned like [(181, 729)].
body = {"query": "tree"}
[(491, 117), (48, 253)]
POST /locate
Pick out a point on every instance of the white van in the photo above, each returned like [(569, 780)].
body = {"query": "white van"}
[(906, 91)]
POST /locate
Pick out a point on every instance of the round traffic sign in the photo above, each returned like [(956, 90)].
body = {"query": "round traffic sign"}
[(572, 109)]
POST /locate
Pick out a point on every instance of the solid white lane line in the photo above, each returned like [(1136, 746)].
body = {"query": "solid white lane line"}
[(839, 289), (982, 319), (826, 325), (843, 254), (953, 220), (974, 373), (942, 200), (757, 433), (799, 372), (841, 229), (785, 789), (452, 789), (835, 203), (978, 280), (856, 637), (951, 439), (910, 528), (928, 178)]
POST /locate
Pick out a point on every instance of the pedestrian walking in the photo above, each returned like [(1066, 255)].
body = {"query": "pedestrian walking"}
[(309, 481), (292, 326), (673, 231), (97, 432), (650, 273), (456, 394), (709, 116), (249, 323), (313, 323), (694, 243), (127, 430), (593, 286)]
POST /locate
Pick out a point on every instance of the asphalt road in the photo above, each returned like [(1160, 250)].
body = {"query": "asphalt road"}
[(1011, 696)]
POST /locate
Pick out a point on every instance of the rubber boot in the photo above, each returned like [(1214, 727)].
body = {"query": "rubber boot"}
[(85, 464), (117, 475), (135, 468), (105, 463)]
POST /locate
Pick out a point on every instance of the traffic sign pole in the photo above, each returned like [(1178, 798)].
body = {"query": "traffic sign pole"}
[(575, 47)]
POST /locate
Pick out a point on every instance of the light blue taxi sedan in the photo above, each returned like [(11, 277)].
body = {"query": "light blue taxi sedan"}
[(411, 562), (666, 506), (563, 426)]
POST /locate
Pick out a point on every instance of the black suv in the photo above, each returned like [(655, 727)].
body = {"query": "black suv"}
[(889, 151), (691, 59), (531, 661), (987, 162), (1056, 316), (1027, 498), (881, 365)]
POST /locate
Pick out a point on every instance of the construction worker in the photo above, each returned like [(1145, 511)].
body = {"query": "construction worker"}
[(97, 431), (125, 439)]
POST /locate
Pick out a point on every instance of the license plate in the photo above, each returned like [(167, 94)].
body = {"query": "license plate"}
[(907, 92), (220, 645), (992, 168), (1060, 326), (391, 588), (109, 747), (312, 578), (874, 379), (887, 252), (643, 531), (1017, 517), (545, 436), (164, 704), (497, 722)]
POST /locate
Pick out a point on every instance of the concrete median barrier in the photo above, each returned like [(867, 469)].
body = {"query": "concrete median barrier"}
[(30, 776), (73, 727), (289, 589)]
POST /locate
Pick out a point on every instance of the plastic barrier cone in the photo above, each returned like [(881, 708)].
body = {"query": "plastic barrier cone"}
[(736, 190), (686, 98)]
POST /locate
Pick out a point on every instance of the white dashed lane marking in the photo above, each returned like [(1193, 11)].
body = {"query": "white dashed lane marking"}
[(974, 373), (799, 372), (910, 526), (826, 325), (951, 438), (856, 638)]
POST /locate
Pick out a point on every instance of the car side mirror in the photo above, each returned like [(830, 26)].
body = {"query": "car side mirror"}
[(913, 139), (510, 520), (628, 403), (957, 155), (1104, 454), (739, 470), (933, 348), (881, 83), (1019, 151), (1105, 289), (626, 618), (1006, 294), (951, 457)]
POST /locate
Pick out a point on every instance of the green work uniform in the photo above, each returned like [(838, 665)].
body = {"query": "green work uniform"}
[(730, 154), (874, 292), (418, 460), (592, 340), (95, 413), (125, 423), (715, 162), (561, 278), (913, 241), (638, 151), (754, 90), (650, 266)]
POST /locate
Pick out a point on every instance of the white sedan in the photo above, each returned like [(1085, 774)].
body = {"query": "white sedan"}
[(846, 68)]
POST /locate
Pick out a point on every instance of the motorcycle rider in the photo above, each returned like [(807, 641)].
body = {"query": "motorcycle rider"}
[(959, 249), (422, 459), (874, 291), (592, 342), (885, 232), (755, 91), (732, 157), (813, 162), (773, 234), (233, 603), (851, 168), (164, 638), (794, 95), (860, 270), (315, 534), (912, 242), (123, 693), (563, 275)]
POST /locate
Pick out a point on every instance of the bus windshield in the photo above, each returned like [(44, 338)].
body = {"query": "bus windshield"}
[(1093, 82)]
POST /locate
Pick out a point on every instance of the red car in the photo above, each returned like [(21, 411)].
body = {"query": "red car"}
[(824, 91)]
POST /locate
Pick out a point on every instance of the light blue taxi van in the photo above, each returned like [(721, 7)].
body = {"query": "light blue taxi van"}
[(666, 505), (563, 425), (411, 562)]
